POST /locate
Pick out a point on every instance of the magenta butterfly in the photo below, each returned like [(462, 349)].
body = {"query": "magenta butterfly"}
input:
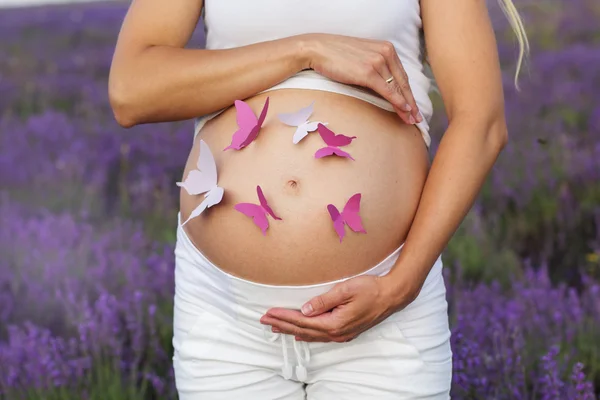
[(334, 142), (258, 212), (248, 125), (348, 216)]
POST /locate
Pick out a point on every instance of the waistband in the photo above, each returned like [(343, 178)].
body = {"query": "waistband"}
[(314, 81)]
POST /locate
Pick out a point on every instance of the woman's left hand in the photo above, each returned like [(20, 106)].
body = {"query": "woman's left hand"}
[(341, 314)]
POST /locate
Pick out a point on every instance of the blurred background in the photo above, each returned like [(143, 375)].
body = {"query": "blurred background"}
[(88, 218)]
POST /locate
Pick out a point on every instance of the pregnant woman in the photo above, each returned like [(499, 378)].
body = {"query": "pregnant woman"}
[(339, 294)]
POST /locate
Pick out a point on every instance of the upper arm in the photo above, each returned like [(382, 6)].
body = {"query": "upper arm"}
[(463, 55), (155, 23)]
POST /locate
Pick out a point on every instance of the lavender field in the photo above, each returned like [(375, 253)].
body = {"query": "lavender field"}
[(88, 218)]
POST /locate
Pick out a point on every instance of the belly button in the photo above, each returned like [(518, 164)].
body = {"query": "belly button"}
[(292, 186)]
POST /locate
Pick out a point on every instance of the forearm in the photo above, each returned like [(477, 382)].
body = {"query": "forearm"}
[(163, 83), (464, 158)]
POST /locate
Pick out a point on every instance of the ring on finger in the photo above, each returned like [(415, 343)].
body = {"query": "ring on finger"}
[(390, 79)]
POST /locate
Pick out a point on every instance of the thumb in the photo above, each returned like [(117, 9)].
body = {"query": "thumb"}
[(326, 301)]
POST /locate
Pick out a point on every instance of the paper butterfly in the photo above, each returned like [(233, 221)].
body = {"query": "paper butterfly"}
[(334, 142), (203, 179), (348, 216), (248, 125), (258, 212), (299, 119)]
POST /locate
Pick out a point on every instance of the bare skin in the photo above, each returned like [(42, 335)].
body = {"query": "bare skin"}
[(390, 170), (154, 79)]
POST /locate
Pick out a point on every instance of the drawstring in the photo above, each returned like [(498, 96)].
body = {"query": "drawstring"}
[(301, 372), (303, 359)]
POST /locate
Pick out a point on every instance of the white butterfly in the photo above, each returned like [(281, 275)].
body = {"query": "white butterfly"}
[(203, 179), (299, 119)]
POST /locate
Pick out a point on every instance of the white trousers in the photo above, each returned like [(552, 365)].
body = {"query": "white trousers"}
[(223, 352)]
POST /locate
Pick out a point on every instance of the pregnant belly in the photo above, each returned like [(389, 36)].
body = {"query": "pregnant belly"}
[(389, 171)]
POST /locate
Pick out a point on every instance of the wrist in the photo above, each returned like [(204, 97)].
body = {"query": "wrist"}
[(399, 291), (306, 50)]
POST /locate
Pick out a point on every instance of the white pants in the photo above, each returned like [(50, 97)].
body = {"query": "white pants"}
[(222, 351)]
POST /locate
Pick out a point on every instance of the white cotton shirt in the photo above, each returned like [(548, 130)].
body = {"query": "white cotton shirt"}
[(235, 23)]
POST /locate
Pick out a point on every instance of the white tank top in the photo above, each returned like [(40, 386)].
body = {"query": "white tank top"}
[(234, 23)]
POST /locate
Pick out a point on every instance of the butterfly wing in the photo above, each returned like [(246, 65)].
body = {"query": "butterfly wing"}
[(297, 118), (338, 221), (256, 212), (194, 183), (331, 139), (303, 130), (312, 126), (341, 153), (301, 133), (205, 177), (214, 196), (256, 128), (238, 138), (211, 198), (263, 113), (351, 216), (326, 134), (206, 164), (264, 204), (244, 115), (197, 211), (330, 151), (246, 121), (324, 152)]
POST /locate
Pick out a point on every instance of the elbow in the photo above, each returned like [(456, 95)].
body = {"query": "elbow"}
[(488, 130), (122, 104), (497, 134)]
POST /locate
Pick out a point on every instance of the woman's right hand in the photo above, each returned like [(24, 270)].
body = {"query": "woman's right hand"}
[(363, 62)]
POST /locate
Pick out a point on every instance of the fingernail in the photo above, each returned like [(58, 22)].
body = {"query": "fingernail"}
[(276, 330), (307, 309), (419, 117), (407, 107), (411, 119)]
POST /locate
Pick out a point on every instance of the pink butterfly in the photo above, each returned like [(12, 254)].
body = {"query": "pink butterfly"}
[(258, 212), (334, 142), (348, 216), (248, 124)]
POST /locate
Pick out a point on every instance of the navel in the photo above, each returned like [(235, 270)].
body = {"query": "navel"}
[(292, 186)]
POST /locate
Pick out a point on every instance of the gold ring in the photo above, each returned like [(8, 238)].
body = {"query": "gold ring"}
[(389, 80)]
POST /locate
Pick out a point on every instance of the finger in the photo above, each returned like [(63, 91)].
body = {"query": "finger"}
[(310, 335), (402, 85), (323, 322), (380, 81), (405, 115), (337, 295), (391, 79), (389, 83), (398, 70), (305, 334)]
